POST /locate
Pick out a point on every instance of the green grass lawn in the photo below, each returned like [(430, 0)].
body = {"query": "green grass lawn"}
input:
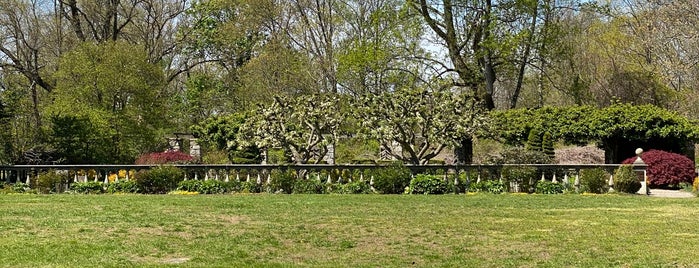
[(347, 230)]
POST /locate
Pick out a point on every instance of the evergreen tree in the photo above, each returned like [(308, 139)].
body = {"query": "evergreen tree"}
[(547, 144), (534, 140)]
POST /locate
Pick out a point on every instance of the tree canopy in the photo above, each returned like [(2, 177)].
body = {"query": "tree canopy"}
[(618, 129), (422, 122), (126, 73)]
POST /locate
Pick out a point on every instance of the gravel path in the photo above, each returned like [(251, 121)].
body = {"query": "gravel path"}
[(670, 193)]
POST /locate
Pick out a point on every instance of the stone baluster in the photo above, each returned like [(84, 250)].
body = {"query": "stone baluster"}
[(611, 183)]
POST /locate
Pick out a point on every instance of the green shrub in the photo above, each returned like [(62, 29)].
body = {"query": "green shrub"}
[(488, 186), (189, 185), (213, 187), (625, 180), (20, 187), (391, 179), (526, 177), (208, 186), (52, 181), (534, 140), (355, 187), (333, 188), (89, 187), (250, 187), (158, 180), (458, 184), (123, 186), (594, 181), (548, 187), (428, 184), (519, 155), (282, 181), (310, 186), (547, 143)]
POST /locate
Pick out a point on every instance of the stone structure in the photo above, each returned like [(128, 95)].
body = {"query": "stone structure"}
[(330, 155), (194, 149), (176, 144)]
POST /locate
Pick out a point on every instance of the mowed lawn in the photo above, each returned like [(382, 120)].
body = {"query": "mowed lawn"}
[(481, 230)]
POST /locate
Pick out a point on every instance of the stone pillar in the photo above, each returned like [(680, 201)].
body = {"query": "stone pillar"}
[(194, 149), (330, 155), (639, 167)]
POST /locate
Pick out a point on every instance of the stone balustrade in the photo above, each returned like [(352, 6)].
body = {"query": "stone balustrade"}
[(262, 173)]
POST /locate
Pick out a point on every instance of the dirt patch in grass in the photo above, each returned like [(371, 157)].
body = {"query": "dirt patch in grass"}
[(140, 232), (232, 219), (172, 259)]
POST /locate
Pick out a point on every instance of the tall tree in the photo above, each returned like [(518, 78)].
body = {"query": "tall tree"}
[(116, 90), (381, 50), (316, 32)]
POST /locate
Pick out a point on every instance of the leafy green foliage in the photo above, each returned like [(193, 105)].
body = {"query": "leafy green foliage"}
[(78, 141), (421, 121), (518, 155), (355, 187), (283, 181), (20, 187), (310, 186), (52, 181), (111, 92), (369, 60), (250, 187), (208, 186), (219, 29), (356, 150), (548, 187), (526, 177), (428, 184), (626, 180), (594, 181), (221, 132), (534, 140), (391, 179), (614, 127), (158, 180), (278, 70), (547, 145), (487, 186), (89, 187), (123, 186)]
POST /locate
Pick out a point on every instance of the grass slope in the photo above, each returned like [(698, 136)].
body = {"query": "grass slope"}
[(347, 230)]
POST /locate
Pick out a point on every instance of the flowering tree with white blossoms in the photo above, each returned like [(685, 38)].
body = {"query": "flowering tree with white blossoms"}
[(421, 121), (303, 125)]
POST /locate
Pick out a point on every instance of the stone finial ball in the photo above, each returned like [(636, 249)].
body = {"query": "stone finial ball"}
[(639, 151)]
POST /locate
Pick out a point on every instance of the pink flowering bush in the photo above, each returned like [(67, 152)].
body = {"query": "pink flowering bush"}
[(666, 169), (169, 157)]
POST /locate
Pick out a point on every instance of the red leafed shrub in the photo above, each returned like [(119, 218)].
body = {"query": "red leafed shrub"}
[(665, 169), (169, 157)]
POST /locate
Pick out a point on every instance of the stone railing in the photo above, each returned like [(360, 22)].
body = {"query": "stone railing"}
[(340, 173)]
